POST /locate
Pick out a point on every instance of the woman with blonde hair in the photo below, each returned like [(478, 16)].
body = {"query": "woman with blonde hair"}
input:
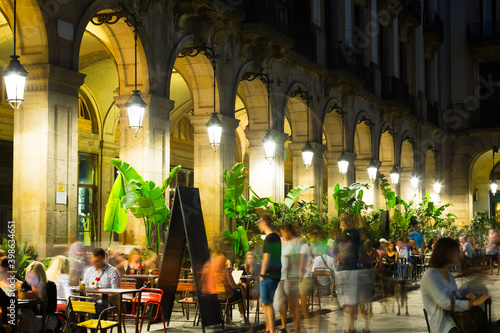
[(58, 272), (37, 286)]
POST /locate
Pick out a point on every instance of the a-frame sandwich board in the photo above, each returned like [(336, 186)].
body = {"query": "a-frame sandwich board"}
[(187, 225)]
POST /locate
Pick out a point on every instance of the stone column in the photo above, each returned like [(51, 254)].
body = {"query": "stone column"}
[(209, 167), (361, 175), (148, 152), (311, 177), (267, 179), (46, 155)]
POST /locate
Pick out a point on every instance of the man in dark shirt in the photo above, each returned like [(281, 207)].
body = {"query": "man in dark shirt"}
[(270, 272)]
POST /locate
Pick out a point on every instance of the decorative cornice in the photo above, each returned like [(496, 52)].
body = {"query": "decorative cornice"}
[(367, 121), (409, 139), (53, 78), (390, 130), (304, 95)]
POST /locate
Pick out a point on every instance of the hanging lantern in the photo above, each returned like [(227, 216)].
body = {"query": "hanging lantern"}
[(15, 81), (372, 171), (135, 111), (437, 187), (15, 74), (214, 127), (414, 182), (269, 146), (394, 176), (493, 187), (307, 155), (343, 163)]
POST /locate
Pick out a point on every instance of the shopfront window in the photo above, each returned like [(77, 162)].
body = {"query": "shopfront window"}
[(87, 194)]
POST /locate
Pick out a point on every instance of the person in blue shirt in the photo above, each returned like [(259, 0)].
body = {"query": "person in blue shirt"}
[(416, 235)]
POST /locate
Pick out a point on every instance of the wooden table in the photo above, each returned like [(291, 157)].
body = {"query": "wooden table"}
[(25, 303), (119, 293), (150, 277)]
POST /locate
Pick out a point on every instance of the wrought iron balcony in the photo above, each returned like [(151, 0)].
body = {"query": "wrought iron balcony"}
[(433, 114), (266, 12), (433, 33), (412, 12), (484, 118), (342, 57), (483, 32), (433, 24), (394, 88)]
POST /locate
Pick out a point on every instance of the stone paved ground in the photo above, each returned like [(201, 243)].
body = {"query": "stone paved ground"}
[(330, 319)]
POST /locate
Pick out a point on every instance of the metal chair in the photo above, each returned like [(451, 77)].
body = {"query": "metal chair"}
[(150, 301), (224, 300), (87, 307), (427, 321)]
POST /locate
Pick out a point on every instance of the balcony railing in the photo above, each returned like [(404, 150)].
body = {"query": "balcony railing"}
[(485, 118), (433, 24), (305, 41), (483, 32), (269, 14), (394, 88)]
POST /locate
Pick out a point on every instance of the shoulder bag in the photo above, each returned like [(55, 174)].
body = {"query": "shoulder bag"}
[(470, 321)]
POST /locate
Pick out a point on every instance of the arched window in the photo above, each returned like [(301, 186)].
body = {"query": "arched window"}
[(86, 121), (183, 132)]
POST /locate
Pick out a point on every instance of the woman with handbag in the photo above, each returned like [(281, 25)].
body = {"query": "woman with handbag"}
[(438, 287)]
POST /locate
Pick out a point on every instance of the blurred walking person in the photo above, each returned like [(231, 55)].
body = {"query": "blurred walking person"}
[(346, 276), (270, 273)]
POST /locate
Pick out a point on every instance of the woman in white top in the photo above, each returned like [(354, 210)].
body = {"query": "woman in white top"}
[(437, 287), (58, 272), (287, 293)]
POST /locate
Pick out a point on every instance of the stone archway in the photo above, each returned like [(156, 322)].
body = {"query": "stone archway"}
[(363, 151), (480, 176), (431, 174), (386, 156), (407, 165), (299, 115), (333, 137)]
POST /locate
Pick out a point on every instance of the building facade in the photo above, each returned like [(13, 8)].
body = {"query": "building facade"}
[(417, 80)]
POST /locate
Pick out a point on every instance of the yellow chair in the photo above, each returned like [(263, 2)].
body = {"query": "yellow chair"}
[(86, 306)]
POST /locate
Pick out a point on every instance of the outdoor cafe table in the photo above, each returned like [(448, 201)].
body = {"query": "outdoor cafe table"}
[(150, 277), (418, 264), (24, 303), (105, 293)]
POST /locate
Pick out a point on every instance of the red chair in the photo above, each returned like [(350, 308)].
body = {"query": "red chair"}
[(150, 301)]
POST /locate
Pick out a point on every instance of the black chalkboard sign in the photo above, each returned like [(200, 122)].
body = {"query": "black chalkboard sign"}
[(187, 225)]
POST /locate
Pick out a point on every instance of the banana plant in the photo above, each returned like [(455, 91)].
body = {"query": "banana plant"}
[(142, 198), (294, 194), (391, 199), (20, 255), (350, 199), (238, 240), (235, 204)]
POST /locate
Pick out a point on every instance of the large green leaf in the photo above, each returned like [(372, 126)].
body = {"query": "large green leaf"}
[(127, 170), (235, 204), (243, 239), (171, 176), (235, 182), (293, 196), (115, 216), (256, 201)]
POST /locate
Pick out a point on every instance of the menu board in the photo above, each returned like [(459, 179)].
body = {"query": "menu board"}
[(187, 226)]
